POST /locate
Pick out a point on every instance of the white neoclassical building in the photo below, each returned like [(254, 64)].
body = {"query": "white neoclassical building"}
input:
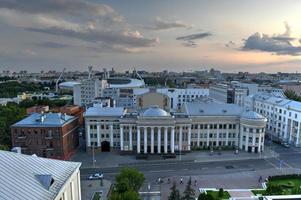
[(153, 130)]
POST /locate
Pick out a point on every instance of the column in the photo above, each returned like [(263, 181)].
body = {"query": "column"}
[(181, 138), (285, 129), (88, 135), (152, 140), (145, 140), (121, 138), (172, 140), (138, 139), (298, 134), (253, 142), (259, 142), (247, 140), (131, 138), (208, 133), (165, 139), (98, 135), (199, 132), (291, 133), (159, 140), (189, 138), (237, 134), (111, 136), (227, 134), (217, 135), (241, 137)]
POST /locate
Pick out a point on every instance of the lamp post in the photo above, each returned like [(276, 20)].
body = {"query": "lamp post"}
[(93, 155)]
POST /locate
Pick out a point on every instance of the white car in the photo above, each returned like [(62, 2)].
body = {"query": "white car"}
[(96, 176)]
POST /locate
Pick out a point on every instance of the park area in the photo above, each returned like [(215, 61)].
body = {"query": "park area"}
[(282, 185)]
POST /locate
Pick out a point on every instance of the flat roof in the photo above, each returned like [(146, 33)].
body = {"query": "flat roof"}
[(212, 109)]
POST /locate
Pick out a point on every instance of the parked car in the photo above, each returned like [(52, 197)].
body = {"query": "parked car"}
[(96, 176)]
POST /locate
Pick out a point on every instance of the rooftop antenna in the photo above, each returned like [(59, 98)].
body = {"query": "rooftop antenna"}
[(57, 81), (90, 72)]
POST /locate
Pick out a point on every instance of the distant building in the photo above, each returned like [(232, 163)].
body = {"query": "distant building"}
[(284, 116), (292, 87), (34, 178), (37, 109), (50, 135)]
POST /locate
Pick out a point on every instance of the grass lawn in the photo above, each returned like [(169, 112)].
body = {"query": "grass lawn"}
[(287, 184), (226, 195), (258, 192)]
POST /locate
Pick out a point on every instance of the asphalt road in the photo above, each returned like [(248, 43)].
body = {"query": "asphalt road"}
[(288, 158)]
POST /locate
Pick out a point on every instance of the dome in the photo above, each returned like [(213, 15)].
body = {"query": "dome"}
[(252, 115), (155, 111)]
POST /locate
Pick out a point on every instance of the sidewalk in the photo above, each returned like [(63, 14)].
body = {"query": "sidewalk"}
[(114, 159)]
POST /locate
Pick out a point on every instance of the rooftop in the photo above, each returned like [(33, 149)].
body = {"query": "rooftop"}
[(212, 109), (104, 111), (252, 115), (155, 111), (32, 178), (44, 120)]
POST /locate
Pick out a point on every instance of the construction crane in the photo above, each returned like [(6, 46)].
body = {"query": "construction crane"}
[(57, 81)]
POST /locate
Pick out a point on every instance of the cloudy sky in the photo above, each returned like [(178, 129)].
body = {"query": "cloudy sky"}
[(177, 35)]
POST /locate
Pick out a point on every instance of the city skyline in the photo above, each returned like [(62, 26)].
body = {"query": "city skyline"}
[(174, 35)]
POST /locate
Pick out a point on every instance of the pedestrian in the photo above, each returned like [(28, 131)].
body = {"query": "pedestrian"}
[(159, 180), (260, 179), (181, 180), (195, 182), (168, 181)]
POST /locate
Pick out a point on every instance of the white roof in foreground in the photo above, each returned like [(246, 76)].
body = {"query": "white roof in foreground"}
[(104, 111), (27, 177), (212, 109)]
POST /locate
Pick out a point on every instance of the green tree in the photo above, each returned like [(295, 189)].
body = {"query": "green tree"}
[(174, 194), (221, 193), (132, 177), (189, 192), (204, 196), (9, 114), (128, 182)]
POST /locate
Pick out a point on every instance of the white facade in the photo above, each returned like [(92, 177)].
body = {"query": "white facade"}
[(284, 116), (85, 92), (155, 131)]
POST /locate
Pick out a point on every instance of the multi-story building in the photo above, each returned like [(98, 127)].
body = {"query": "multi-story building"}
[(34, 178), (156, 131), (51, 135), (284, 116), (87, 90)]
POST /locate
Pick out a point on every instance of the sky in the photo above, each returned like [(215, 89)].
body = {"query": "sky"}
[(153, 35)]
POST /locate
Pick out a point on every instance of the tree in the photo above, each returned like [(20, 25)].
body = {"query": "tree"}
[(128, 182), (221, 192), (188, 192), (132, 177), (174, 194), (204, 196)]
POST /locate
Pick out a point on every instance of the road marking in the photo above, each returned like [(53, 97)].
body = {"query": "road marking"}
[(271, 163), (185, 169), (157, 171)]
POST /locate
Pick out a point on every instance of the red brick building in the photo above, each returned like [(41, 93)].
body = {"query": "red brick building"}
[(51, 135)]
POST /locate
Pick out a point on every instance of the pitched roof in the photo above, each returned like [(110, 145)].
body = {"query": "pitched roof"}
[(32, 178)]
